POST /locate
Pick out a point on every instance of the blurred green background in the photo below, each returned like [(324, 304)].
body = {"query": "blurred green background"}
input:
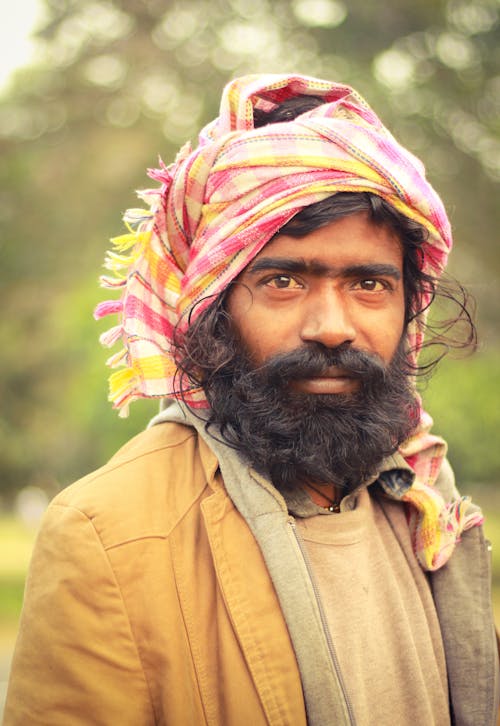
[(118, 83)]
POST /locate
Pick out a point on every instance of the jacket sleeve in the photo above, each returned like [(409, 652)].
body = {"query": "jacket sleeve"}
[(75, 660)]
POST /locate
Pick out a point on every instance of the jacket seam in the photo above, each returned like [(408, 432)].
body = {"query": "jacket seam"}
[(189, 640), (165, 536), (153, 535), (131, 540), (269, 703)]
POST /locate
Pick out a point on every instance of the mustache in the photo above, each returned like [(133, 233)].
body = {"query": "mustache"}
[(315, 359)]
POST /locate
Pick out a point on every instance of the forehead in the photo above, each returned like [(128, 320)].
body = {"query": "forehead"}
[(352, 240)]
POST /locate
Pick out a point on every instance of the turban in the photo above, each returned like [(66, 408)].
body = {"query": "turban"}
[(218, 204)]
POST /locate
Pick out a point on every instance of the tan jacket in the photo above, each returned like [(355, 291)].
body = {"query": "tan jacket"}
[(149, 603)]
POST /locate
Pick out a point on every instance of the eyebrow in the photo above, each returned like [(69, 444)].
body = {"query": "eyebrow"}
[(319, 269)]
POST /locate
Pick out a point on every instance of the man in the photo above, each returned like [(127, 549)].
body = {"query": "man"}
[(285, 543)]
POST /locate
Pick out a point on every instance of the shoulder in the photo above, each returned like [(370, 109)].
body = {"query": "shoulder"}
[(146, 487)]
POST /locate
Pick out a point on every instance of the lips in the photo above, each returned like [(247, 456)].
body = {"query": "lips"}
[(331, 380)]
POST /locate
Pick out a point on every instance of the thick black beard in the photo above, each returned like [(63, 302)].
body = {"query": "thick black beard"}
[(294, 437)]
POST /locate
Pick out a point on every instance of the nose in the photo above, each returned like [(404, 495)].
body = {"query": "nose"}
[(327, 320)]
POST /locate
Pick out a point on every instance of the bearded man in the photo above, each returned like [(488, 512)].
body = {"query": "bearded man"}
[(285, 544)]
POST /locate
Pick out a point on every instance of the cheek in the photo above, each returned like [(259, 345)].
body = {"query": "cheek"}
[(390, 332), (260, 336), (260, 330), (245, 320)]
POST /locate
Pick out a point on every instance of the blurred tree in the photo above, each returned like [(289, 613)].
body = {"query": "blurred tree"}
[(118, 83)]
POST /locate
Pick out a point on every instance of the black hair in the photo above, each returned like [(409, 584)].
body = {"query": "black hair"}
[(286, 111)]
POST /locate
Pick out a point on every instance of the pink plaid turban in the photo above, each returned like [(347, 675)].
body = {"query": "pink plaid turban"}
[(219, 204)]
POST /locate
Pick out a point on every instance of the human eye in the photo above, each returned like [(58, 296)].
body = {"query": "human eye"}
[(283, 282), (370, 284)]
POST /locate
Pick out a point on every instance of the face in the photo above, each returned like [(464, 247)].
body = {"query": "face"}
[(340, 285)]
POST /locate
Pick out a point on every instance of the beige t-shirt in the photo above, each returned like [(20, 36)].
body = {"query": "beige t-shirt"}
[(380, 615)]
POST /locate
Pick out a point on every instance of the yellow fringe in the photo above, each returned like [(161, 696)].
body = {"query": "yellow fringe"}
[(120, 383), (115, 261), (127, 241)]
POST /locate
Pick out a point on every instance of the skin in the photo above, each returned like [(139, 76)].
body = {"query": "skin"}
[(341, 284)]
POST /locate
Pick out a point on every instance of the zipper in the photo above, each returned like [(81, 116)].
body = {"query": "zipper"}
[(326, 630)]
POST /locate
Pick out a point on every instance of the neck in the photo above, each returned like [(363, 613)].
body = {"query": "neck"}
[(327, 496)]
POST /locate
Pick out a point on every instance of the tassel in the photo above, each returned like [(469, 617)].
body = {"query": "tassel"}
[(124, 410), (117, 359), (126, 242), (151, 197), (163, 175), (107, 307), (112, 283), (134, 217), (456, 520), (110, 337), (120, 385), (117, 265)]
